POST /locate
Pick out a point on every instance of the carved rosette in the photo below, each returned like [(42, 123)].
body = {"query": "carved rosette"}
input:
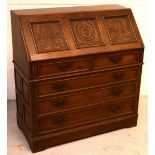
[(120, 30), (49, 36), (86, 32)]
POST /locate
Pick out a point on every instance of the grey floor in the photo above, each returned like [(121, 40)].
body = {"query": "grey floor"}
[(131, 141)]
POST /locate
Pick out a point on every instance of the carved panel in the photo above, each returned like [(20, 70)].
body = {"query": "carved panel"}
[(120, 29), (49, 36), (86, 32)]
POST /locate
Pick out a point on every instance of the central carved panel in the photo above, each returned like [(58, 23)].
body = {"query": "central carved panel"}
[(86, 32), (49, 36)]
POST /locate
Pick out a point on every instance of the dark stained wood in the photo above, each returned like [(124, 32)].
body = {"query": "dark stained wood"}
[(20, 57), (95, 80), (62, 67), (27, 22), (77, 72), (85, 98), (65, 120), (114, 60), (63, 10)]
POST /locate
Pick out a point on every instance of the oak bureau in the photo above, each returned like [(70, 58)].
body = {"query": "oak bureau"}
[(77, 72)]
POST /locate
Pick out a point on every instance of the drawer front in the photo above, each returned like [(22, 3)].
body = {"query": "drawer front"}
[(90, 97), (59, 86), (114, 60), (55, 68), (76, 118)]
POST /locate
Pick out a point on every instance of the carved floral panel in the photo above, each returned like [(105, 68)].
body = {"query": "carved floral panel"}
[(49, 36), (86, 32), (120, 29)]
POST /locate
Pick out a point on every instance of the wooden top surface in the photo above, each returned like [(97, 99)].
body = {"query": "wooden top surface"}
[(73, 9)]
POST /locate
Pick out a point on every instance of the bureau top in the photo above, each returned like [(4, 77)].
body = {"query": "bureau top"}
[(68, 9), (74, 31)]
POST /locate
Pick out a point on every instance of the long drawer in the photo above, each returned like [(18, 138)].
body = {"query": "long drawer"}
[(63, 120), (86, 98), (80, 82)]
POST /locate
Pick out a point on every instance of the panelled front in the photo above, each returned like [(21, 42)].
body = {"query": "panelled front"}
[(107, 78), (83, 72)]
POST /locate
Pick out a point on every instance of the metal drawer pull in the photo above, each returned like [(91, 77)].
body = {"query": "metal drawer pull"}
[(117, 92), (58, 120), (115, 59), (64, 66), (116, 108), (58, 86), (119, 75), (59, 103)]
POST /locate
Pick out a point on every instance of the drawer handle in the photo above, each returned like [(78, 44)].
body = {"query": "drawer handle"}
[(117, 92), (116, 108), (58, 120), (64, 66), (59, 103), (118, 76), (115, 59), (59, 86)]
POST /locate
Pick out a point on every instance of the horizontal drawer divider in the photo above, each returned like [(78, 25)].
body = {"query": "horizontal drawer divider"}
[(90, 106), (88, 89), (86, 72), (94, 74)]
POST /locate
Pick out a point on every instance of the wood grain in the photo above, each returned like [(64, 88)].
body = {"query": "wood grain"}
[(77, 72)]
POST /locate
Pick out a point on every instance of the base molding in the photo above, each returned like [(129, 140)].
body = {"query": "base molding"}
[(43, 142)]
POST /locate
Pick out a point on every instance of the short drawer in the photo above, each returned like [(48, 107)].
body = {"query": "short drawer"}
[(86, 98), (63, 67), (80, 82), (80, 117), (114, 60)]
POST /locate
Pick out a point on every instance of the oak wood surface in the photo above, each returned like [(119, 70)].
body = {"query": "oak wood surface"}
[(77, 72)]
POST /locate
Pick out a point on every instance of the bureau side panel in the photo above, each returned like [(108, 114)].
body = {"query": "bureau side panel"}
[(23, 104), (20, 57)]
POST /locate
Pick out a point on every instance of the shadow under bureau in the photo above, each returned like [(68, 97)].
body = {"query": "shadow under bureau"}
[(77, 72)]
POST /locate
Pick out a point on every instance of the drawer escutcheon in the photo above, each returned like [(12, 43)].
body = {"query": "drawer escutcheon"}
[(115, 59), (116, 92), (58, 120), (118, 75), (64, 66), (59, 103), (59, 86)]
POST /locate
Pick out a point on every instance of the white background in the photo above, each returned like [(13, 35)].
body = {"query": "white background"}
[(139, 8)]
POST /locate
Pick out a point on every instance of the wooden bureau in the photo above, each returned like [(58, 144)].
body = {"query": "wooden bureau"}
[(77, 72)]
